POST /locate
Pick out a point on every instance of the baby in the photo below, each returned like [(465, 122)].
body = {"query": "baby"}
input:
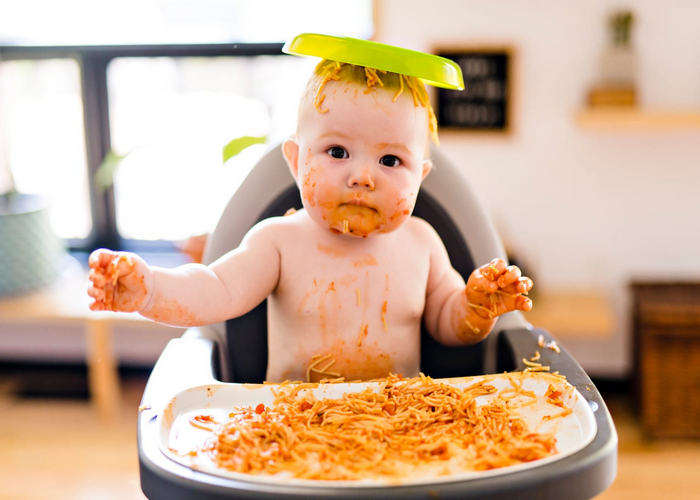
[(349, 277)]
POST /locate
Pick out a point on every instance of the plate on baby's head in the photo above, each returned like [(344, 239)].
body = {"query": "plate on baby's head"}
[(547, 409), (433, 70)]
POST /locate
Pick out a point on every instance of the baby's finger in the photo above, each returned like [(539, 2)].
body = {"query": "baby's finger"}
[(523, 285), (481, 283), (523, 303), (101, 258), (511, 275), (108, 295), (97, 277), (125, 265), (96, 293), (493, 269)]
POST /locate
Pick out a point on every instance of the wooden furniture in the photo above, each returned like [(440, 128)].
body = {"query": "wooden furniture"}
[(66, 302), (666, 322), (566, 315), (625, 119)]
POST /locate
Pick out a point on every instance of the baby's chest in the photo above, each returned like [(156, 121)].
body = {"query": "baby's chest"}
[(345, 287)]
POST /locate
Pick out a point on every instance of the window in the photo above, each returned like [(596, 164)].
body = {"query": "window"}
[(173, 116), (163, 84), (42, 114)]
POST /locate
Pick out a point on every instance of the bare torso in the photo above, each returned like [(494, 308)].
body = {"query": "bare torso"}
[(346, 306)]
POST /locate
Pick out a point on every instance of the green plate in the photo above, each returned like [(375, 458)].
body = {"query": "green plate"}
[(434, 70)]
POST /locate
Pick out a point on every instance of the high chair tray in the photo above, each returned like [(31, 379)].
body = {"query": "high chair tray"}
[(177, 436)]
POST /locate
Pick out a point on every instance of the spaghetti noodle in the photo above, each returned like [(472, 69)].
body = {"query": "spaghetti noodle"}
[(409, 424)]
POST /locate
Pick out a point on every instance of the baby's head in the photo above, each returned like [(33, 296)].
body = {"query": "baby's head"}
[(361, 146), (369, 78)]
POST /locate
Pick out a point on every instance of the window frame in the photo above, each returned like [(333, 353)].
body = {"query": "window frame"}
[(93, 62)]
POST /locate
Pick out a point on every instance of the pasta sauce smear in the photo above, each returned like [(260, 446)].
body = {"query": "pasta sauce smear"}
[(407, 426)]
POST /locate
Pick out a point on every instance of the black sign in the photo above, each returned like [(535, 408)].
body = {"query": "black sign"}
[(484, 104)]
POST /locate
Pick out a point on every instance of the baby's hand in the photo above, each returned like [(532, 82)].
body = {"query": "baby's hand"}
[(496, 289), (120, 281)]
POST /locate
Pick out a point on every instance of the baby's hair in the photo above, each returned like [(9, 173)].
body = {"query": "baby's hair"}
[(328, 70)]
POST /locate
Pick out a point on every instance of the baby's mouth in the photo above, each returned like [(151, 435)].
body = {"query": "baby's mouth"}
[(358, 203)]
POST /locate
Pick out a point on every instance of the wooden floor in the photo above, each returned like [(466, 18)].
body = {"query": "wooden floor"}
[(57, 449)]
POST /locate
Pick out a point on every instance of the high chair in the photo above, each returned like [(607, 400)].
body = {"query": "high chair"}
[(236, 352)]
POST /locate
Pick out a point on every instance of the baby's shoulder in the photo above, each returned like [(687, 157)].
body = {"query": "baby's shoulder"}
[(421, 229), (281, 227), (421, 234)]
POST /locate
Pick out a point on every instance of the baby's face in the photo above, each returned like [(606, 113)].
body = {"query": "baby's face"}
[(359, 166)]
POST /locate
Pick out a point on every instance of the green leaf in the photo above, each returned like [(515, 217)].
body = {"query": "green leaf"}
[(238, 144), (104, 176)]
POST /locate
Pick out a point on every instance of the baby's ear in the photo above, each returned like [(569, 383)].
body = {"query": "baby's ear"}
[(290, 150), (427, 167)]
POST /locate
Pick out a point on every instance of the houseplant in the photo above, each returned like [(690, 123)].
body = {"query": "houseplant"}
[(30, 251)]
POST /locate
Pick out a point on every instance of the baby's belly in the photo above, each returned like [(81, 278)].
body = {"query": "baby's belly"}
[(365, 354)]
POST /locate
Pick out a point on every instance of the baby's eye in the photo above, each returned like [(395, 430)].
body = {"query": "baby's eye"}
[(390, 161), (337, 152)]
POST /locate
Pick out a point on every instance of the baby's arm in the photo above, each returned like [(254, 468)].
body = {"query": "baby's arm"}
[(192, 294), (456, 313)]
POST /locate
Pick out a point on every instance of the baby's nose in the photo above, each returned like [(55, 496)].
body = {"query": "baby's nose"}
[(361, 178)]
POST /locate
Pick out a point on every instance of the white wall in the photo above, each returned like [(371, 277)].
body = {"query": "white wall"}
[(585, 210)]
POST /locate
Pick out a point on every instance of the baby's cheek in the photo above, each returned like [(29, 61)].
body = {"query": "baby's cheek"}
[(308, 187), (316, 191), (399, 212)]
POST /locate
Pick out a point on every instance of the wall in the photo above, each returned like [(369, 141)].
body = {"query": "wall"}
[(583, 209)]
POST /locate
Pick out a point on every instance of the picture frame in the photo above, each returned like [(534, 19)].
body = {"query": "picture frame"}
[(486, 103)]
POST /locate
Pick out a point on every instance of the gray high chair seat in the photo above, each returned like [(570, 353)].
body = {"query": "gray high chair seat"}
[(236, 352)]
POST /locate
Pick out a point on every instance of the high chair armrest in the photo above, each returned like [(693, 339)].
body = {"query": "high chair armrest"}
[(593, 469), (517, 345)]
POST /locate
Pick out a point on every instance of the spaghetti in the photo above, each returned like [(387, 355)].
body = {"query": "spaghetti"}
[(331, 70), (408, 425)]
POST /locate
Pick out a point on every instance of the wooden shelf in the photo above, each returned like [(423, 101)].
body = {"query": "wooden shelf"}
[(585, 315), (637, 119)]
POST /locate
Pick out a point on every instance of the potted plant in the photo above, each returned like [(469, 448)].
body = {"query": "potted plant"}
[(30, 251), (616, 84)]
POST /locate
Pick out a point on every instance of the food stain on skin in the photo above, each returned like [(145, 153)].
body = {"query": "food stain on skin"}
[(307, 187), (357, 365), (319, 368), (303, 309), (366, 301), (364, 330), (365, 260), (460, 322), (384, 315), (331, 251), (386, 301), (361, 220), (175, 313), (402, 213), (346, 281), (137, 293)]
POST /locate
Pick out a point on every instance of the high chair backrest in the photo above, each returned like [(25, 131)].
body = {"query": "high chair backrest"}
[(446, 201)]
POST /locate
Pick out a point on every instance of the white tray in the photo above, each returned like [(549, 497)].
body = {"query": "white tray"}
[(177, 436)]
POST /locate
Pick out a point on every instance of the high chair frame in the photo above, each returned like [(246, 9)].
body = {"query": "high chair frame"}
[(234, 352)]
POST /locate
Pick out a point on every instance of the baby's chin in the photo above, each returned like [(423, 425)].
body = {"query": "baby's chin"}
[(355, 221)]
